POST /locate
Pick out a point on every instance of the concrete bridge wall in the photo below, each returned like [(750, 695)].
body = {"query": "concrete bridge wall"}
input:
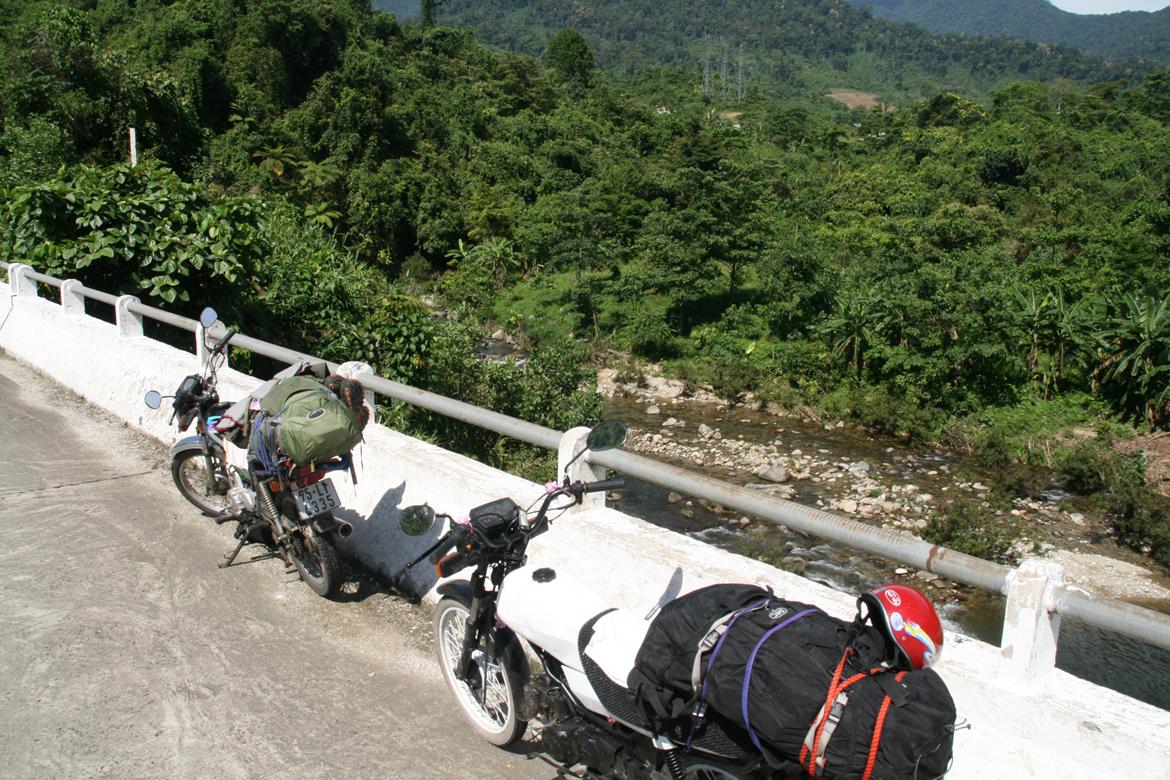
[(1020, 726)]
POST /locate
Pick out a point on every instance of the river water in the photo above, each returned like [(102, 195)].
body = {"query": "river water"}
[(900, 472)]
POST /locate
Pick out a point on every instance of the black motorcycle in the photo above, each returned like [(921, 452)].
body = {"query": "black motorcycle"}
[(286, 507)]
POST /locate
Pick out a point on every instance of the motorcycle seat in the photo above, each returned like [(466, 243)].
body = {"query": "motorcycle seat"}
[(617, 635)]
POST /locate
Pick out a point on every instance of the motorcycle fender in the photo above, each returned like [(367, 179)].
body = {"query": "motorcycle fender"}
[(190, 443), (507, 644), (456, 589)]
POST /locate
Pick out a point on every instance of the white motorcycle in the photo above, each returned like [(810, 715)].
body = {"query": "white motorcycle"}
[(587, 722)]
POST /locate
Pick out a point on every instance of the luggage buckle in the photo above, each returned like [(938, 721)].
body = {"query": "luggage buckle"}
[(699, 711)]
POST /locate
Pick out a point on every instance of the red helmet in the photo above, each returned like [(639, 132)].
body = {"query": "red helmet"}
[(908, 619)]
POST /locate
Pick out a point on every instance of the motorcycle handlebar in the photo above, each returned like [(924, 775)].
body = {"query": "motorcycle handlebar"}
[(453, 538), (223, 342), (436, 550), (452, 563), (603, 485)]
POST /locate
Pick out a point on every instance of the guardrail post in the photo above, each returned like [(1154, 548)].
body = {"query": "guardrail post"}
[(129, 323), (1031, 624), (19, 280), (202, 351), (572, 443), (355, 369), (72, 301)]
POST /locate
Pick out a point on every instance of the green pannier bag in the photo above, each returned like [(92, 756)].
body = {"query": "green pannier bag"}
[(312, 424)]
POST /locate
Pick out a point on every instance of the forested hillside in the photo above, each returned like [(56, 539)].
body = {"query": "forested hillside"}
[(781, 48), (986, 272), (1120, 37)]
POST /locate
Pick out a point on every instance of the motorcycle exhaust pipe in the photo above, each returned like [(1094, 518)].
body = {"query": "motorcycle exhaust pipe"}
[(327, 524)]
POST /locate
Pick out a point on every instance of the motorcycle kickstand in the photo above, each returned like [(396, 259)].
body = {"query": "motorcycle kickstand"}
[(235, 552), (243, 541)]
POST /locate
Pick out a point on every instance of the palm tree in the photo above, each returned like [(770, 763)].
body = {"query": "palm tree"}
[(1035, 312), (1054, 331), (1136, 345), (854, 326), (500, 256), (1072, 329), (276, 160)]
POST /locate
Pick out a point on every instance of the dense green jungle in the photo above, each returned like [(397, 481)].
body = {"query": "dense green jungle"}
[(985, 269), (783, 48), (1125, 36)]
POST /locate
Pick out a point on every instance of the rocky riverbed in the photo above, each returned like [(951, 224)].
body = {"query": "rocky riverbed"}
[(831, 465)]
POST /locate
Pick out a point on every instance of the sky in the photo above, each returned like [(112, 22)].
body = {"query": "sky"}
[(1109, 6)]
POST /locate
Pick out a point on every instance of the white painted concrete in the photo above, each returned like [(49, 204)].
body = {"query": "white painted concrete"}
[(1055, 726)]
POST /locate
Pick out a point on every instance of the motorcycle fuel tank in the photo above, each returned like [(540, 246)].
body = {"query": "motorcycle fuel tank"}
[(548, 607)]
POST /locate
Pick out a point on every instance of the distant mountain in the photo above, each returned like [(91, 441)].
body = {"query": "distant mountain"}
[(1119, 37), (405, 9), (779, 46)]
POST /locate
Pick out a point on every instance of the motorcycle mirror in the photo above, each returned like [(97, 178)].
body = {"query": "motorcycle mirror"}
[(416, 520), (606, 435), (153, 399), (208, 317)]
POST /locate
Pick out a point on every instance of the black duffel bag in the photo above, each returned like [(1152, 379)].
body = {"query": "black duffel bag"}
[(877, 722)]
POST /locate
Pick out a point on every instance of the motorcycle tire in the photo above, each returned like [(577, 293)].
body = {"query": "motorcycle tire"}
[(189, 471), (490, 703), (702, 770), (316, 560)]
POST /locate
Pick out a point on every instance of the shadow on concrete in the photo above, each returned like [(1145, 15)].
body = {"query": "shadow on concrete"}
[(379, 531)]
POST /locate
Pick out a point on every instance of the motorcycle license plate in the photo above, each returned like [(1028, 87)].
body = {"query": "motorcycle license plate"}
[(316, 498)]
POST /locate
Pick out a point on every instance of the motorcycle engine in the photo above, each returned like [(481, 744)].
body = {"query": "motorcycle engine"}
[(577, 742), (574, 741)]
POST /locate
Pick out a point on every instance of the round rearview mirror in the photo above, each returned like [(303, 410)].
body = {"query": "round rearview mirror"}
[(417, 520), (153, 399), (606, 435), (208, 317)]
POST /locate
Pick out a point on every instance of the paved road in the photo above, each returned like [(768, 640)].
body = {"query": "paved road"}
[(125, 652)]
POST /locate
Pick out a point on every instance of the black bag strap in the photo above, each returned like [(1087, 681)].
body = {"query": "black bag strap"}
[(713, 641), (747, 675)]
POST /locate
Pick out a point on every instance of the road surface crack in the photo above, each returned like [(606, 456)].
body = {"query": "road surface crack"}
[(65, 485)]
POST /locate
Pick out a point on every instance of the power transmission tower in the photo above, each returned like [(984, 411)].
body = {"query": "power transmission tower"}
[(706, 64), (723, 73), (739, 75)]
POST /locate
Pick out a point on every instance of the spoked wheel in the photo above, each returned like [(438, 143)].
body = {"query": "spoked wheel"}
[(317, 562), (489, 699), (209, 494)]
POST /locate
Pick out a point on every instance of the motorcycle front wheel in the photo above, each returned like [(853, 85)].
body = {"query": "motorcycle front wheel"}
[(488, 700), (209, 495), (317, 562)]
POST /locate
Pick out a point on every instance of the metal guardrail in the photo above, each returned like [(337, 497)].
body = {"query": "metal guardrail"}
[(1107, 613)]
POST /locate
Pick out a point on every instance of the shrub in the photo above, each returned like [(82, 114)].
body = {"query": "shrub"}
[(1089, 466), (973, 528), (734, 377), (139, 230), (645, 329), (471, 284), (1028, 432), (1142, 521), (878, 407)]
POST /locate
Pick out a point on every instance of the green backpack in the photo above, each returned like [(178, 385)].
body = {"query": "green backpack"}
[(312, 424)]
